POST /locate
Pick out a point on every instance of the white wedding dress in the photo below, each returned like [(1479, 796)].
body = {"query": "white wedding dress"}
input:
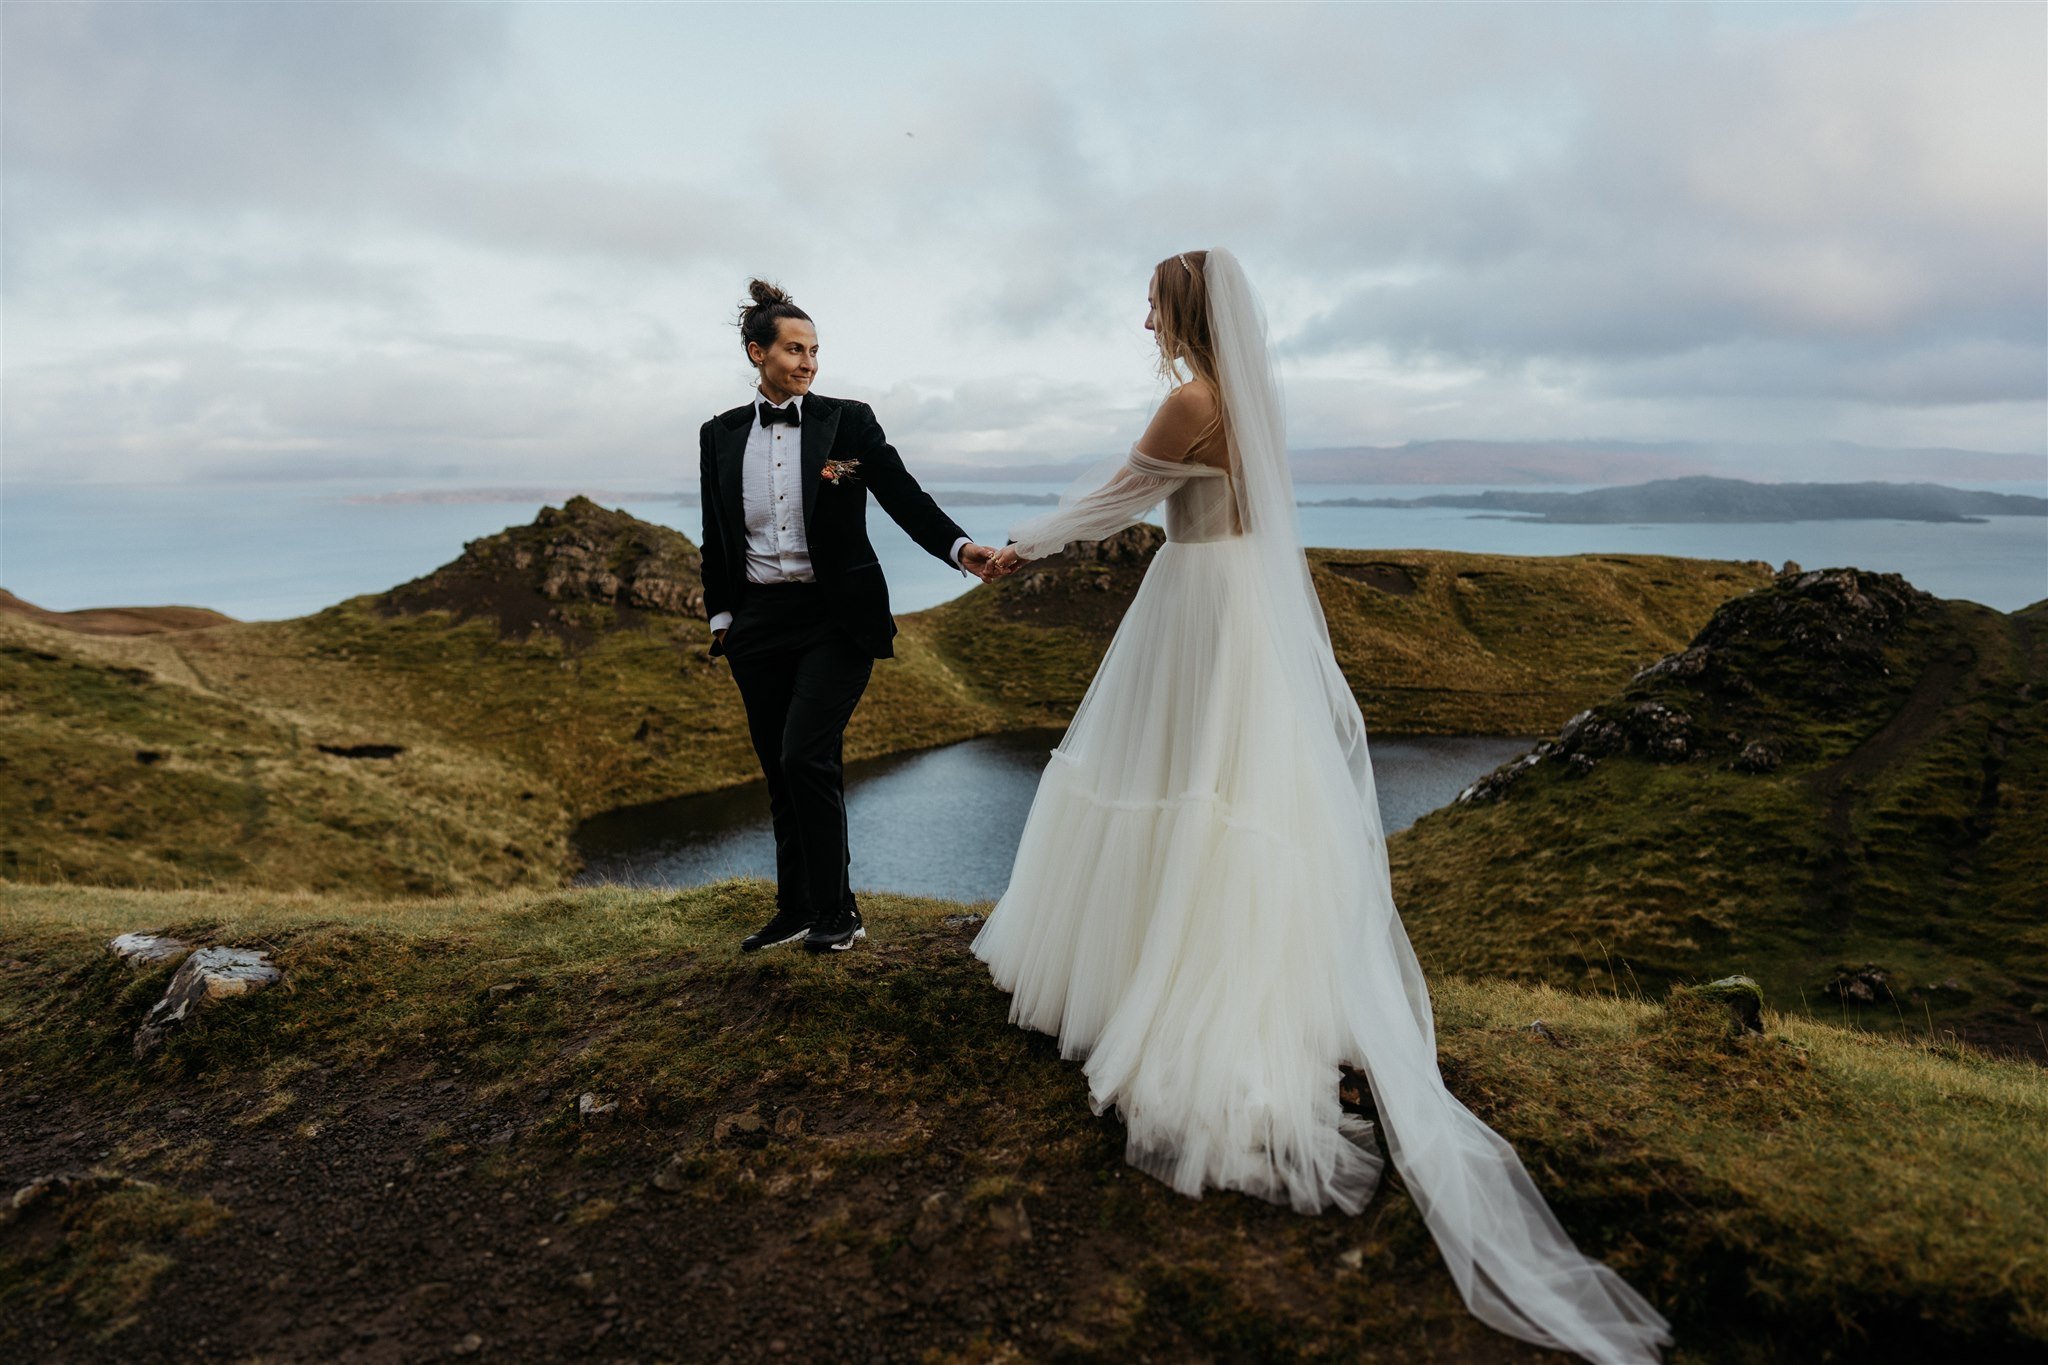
[(1200, 906)]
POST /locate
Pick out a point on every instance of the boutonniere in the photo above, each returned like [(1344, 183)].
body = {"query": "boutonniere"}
[(835, 470)]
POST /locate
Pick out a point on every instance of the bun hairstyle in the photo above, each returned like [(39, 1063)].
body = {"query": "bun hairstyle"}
[(761, 319)]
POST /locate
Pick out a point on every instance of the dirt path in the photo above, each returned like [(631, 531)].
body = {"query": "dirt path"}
[(406, 1216), (1831, 899)]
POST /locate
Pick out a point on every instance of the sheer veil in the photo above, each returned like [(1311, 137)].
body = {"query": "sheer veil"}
[(1510, 1257)]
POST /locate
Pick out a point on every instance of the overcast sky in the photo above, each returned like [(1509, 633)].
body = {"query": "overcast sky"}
[(303, 240)]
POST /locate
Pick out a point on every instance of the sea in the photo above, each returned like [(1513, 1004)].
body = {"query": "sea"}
[(265, 551)]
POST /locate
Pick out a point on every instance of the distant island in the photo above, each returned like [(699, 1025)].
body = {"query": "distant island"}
[(1704, 498)]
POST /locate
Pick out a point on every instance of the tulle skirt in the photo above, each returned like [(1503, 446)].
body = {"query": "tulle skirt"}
[(1201, 911), (1177, 896)]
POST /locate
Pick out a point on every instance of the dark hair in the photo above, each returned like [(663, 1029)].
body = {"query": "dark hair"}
[(761, 320)]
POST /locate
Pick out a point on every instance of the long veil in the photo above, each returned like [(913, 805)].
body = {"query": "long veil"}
[(1515, 1266)]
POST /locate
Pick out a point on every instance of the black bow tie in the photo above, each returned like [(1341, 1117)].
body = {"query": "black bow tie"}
[(770, 415)]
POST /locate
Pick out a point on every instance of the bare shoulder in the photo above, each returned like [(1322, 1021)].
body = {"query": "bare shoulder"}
[(1195, 396), (1184, 427)]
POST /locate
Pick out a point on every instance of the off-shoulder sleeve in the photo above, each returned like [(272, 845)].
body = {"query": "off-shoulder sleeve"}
[(1104, 501)]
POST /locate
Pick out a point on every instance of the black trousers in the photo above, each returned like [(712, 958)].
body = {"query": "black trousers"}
[(800, 675)]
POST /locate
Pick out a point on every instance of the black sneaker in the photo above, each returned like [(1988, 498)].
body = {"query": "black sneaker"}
[(837, 934), (787, 927)]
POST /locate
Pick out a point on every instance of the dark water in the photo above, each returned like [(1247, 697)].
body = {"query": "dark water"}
[(945, 822)]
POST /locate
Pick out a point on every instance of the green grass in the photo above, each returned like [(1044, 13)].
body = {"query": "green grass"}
[(509, 738), (114, 772), (1814, 1193), (1903, 829), (1433, 641)]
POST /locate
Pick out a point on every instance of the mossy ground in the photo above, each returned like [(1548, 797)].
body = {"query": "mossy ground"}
[(194, 758), (1904, 829), (393, 1143)]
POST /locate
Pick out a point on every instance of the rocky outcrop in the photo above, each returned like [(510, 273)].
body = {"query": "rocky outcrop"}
[(1648, 729), (209, 976), (1089, 565), (1812, 639), (575, 572)]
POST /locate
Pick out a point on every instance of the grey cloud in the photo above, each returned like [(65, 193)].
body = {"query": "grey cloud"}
[(177, 282), (1968, 372), (211, 106), (1600, 220)]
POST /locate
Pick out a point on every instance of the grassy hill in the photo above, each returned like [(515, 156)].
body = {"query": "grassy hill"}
[(1838, 788), (860, 1158), (1434, 642), (448, 734)]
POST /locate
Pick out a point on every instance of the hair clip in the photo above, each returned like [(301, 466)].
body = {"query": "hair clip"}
[(1182, 257)]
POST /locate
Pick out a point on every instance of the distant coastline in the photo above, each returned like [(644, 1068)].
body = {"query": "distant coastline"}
[(1697, 499), (1705, 499)]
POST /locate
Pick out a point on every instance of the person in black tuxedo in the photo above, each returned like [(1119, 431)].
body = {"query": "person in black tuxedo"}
[(796, 599)]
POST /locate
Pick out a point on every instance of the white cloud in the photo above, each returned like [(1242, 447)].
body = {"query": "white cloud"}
[(512, 238)]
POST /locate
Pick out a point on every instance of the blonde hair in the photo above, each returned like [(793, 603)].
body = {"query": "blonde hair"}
[(1180, 323)]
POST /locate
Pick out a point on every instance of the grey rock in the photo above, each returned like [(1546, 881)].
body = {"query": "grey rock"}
[(1865, 985), (209, 976), (1496, 783), (146, 949), (1757, 756), (592, 1107), (57, 1188)]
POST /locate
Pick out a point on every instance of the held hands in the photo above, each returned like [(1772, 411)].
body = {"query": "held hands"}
[(988, 564)]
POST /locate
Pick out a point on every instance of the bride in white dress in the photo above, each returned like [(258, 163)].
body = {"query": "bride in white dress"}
[(1200, 905)]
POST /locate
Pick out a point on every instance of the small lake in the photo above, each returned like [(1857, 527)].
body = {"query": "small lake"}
[(945, 822)]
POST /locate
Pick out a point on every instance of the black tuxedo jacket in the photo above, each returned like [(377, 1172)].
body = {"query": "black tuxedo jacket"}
[(835, 512)]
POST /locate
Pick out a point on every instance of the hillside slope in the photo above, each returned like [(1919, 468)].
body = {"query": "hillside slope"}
[(1433, 641), (384, 1159), (448, 733), (1840, 788)]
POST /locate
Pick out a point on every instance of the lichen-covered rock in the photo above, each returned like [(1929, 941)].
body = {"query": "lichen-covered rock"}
[(146, 949), (209, 976), (1743, 997)]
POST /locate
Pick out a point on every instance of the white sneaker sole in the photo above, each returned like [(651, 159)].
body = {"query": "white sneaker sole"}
[(860, 931)]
